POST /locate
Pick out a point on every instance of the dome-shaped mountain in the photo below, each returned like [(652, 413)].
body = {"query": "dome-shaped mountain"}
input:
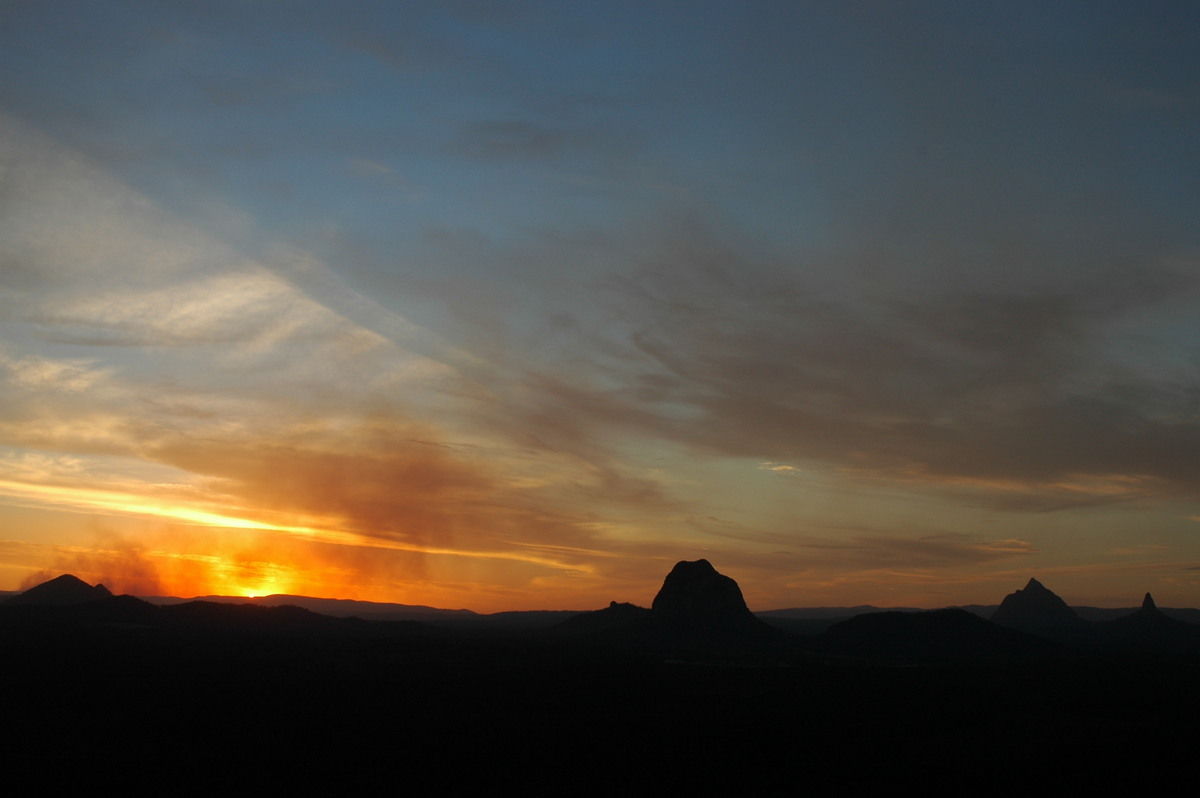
[(697, 609), (61, 591), (696, 598), (1038, 610)]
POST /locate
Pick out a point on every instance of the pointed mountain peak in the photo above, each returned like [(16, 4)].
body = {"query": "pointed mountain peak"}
[(1150, 629), (1036, 609), (61, 591), (66, 580)]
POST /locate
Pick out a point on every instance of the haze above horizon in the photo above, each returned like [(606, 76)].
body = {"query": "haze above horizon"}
[(507, 306)]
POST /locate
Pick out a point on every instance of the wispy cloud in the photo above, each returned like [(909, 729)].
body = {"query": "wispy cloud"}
[(491, 298)]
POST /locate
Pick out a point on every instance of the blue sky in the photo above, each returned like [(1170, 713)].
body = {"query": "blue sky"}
[(515, 304)]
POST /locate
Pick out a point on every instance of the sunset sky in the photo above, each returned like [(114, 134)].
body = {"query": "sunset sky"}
[(513, 305)]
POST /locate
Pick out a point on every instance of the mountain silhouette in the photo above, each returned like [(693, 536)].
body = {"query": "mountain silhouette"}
[(338, 608), (1038, 610), (697, 611), (673, 699), (930, 636), (1149, 630), (696, 599), (620, 623), (61, 591)]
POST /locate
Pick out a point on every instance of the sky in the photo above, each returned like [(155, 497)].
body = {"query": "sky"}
[(514, 305)]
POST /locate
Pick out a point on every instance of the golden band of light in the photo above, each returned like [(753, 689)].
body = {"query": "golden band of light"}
[(81, 499)]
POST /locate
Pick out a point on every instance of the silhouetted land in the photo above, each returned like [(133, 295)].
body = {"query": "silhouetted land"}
[(202, 696)]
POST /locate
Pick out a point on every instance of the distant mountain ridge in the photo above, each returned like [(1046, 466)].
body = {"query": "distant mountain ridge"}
[(870, 694), (338, 608), (68, 589)]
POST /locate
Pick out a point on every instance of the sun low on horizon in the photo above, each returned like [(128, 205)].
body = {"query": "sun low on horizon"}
[(514, 306)]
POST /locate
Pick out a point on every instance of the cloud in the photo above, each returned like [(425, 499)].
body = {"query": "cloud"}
[(252, 404), (57, 376), (373, 170), (914, 274), (1039, 393), (1027, 385), (940, 552), (517, 139), (118, 563)]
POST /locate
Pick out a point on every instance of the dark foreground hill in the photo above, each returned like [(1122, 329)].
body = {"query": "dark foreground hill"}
[(949, 635), (192, 700), (191, 712)]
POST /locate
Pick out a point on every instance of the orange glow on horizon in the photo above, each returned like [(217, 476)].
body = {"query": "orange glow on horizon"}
[(206, 574)]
